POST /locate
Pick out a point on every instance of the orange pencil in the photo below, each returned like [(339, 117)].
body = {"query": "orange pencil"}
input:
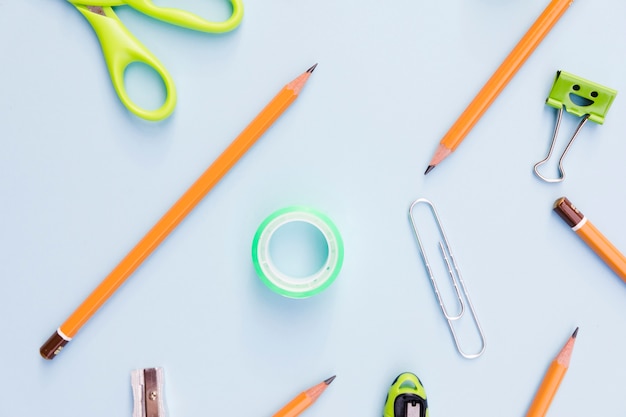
[(303, 400), (591, 236), (174, 216), (499, 80), (552, 380)]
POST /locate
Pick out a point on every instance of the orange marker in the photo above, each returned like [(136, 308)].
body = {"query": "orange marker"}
[(174, 216), (552, 380), (499, 80), (591, 236), (304, 399)]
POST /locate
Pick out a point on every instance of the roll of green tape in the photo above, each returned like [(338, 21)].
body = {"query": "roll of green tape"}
[(282, 283)]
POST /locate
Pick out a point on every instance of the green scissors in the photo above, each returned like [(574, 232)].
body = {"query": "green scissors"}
[(121, 48)]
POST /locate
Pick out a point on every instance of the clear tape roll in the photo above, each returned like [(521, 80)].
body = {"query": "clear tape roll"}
[(278, 281)]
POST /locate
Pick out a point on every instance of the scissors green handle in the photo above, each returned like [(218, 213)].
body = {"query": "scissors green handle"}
[(175, 16), (121, 49)]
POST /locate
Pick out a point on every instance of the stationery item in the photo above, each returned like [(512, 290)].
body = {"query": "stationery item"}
[(460, 289), (499, 80), (147, 385), (175, 215), (121, 48), (303, 400), (406, 397), (278, 281), (591, 236), (552, 380), (580, 97)]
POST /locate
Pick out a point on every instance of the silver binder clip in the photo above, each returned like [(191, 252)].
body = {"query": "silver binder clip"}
[(148, 392), (458, 285)]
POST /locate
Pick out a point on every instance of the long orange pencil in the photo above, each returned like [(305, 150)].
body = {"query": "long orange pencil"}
[(303, 400), (591, 236), (174, 216), (552, 380), (499, 80)]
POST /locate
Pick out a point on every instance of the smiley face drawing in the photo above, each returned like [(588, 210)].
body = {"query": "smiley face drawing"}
[(580, 97)]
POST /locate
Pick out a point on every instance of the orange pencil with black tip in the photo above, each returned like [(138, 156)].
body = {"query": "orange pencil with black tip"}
[(552, 379), (303, 400), (500, 78), (174, 216), (591, 236)]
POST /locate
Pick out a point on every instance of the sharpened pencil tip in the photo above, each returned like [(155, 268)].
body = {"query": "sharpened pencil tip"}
[(329, 380), (430, 168), (575, 333), (310, 70)]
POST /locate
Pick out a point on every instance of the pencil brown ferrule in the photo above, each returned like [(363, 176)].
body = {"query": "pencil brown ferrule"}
[(566, 210), (53, 346)]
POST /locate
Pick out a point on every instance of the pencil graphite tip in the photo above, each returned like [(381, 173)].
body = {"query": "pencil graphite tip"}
[(329, 380), (575, 333), (430, 168), (310, 70)]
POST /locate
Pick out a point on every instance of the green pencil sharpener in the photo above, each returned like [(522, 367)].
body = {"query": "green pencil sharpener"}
[(406, 397)]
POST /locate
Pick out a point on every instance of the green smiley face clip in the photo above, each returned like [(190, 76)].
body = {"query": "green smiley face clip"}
[(582, 98)]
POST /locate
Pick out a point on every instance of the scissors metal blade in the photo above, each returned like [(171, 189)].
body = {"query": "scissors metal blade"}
[(96, 9)]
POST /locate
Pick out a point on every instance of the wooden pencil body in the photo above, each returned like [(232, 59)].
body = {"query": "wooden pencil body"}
[(552, 380), (603, 248), (172, 218), (547, 390), (505, 72), (295, 406)]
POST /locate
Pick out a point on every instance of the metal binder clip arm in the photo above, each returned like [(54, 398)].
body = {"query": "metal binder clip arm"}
[(553, 143), (460, 289)]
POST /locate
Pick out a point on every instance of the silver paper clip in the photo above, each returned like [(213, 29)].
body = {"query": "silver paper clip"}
[(456, 279), (148, 392)]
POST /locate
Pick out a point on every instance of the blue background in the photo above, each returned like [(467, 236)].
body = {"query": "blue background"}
[(82, 180)]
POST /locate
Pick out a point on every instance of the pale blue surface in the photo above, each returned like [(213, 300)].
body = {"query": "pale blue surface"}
[(81, 181)]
